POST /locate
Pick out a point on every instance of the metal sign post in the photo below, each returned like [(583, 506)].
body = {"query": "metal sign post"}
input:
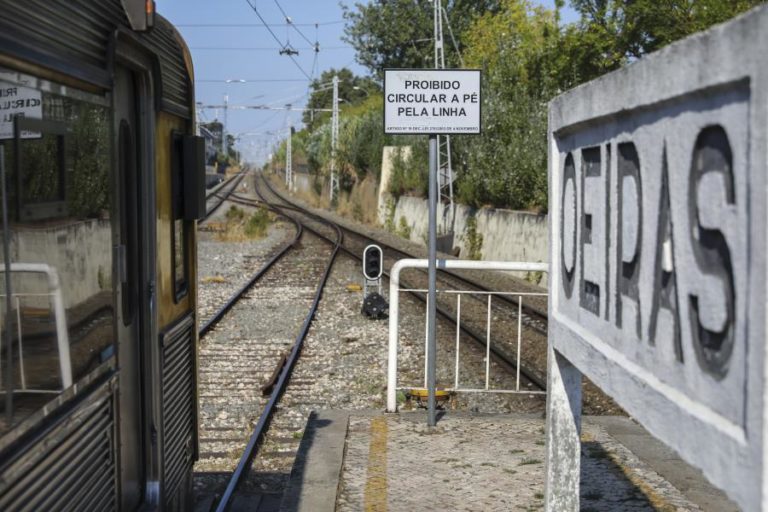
[(432, 284), (434, 102)]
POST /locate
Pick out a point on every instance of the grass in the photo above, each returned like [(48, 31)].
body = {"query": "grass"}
[(240, 226), (257, 224), (526, 461), (403, 229)]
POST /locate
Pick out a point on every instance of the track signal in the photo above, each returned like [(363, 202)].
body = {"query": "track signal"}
[(374, 304), (373, 262)]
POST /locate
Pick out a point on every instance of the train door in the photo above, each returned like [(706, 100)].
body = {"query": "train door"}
[(132, 353)]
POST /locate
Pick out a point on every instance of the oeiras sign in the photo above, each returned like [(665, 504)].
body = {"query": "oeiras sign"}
[(658, 255)]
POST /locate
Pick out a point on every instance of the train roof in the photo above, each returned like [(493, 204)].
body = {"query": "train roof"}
[(77, 39)]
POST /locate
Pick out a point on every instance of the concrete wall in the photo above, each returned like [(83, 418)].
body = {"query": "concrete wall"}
[(658, 193), (81, 252), (507, 235), (387, 165), (302, 182)]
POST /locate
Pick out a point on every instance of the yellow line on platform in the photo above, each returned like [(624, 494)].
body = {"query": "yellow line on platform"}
[(376, 480)]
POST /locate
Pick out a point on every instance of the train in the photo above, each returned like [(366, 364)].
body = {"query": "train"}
[(102, 184)]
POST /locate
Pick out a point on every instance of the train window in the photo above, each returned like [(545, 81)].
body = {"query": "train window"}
[(40, 193), (178, 230), (59, 236)]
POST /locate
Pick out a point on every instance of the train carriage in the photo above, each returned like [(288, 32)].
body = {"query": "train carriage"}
[(102, 186)]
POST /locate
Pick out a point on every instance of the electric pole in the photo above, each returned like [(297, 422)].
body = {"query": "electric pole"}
[(334, 138), (224, 148), (288, 170), (444, 170)]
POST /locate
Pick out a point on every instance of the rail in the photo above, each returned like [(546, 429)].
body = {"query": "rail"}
[(259, 430), (394, 304)]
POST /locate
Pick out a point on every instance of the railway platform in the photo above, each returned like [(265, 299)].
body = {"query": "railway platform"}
[(375, 461)]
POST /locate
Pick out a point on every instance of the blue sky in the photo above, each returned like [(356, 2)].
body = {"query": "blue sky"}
[(229, 42)]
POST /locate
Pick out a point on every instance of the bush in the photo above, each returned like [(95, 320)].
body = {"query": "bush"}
[(410, 176), (257, 224)]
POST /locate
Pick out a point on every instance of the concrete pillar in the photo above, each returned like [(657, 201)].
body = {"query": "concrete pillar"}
[(563, 434)]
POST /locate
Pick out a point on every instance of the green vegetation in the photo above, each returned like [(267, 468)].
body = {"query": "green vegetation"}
[(410, 175), (528, 56), (257, 224), (389, 221), (403, 229), (240, 226), (398, 33), (474, 239)]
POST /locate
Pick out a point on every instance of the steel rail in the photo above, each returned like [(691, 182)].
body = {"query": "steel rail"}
[(215, 190), (534, 311), (533, 375), (254, 442), (237, 179), (235, 297)]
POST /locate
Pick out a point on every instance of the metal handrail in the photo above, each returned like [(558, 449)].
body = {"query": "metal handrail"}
[(394, 303)]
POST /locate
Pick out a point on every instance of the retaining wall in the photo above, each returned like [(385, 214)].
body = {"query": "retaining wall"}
[(506, 235)]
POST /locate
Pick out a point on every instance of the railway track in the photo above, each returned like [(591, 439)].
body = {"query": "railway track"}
[(261, 366), (244, 367), (216, 197), (505, 310)]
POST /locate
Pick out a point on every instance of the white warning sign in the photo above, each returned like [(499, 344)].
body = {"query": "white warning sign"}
[(432, 101), (17, 100)]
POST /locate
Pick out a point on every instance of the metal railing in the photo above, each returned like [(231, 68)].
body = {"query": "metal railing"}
[(394, 304), (62, 335)]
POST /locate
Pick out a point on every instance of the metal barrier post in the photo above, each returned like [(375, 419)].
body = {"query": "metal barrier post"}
[(458, 335), (488, 346), (519, 337)]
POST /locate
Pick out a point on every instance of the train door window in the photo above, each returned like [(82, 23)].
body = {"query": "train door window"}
[(129, 218), (56, 143), (178, 230)]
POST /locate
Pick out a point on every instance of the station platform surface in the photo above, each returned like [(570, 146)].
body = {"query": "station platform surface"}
[(372, 461)]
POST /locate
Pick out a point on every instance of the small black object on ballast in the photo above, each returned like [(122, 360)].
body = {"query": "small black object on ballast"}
[(375, 306)]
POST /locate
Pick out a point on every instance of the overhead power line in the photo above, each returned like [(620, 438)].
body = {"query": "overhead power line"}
[(285, 47), (289, 21), (251, 25), (265, 48), (225, 81)]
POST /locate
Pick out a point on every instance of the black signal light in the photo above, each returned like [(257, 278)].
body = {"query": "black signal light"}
[(373, 262)]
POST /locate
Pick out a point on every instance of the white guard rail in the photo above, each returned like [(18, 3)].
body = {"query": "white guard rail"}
[(62, 335), (394, 303)]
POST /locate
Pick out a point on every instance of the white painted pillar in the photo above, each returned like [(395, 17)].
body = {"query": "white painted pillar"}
[(563, 463)]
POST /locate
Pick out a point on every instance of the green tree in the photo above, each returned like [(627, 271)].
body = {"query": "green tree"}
[(400, 33), (352, 90), (629, 29)]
